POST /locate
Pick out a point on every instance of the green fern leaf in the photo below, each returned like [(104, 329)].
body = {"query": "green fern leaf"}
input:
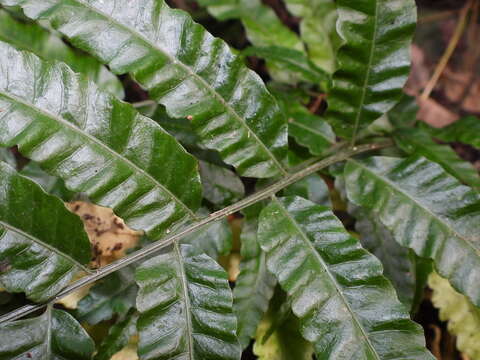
[(254, 286), (294, 61), (42, 244), (347, 308), (114, 295), (221, 186), (117, 338), (318, 30), (7, 156), (185, 306), (465, 130), (426, 209), (41, 42), (97, 144), (53, 335), (214, 239), (195, 75), (398, 265), (373, 63), (419, 142)]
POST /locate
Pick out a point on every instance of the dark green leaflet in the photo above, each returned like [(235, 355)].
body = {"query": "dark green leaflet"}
[(42, 244), (254, 286), (426, 209), (347, 308), (373, 63), (48, 46), (55, 335), (185, 306), (98, 144), (193, 74)]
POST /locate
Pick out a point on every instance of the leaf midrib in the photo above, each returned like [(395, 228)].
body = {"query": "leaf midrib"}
[(367, 74), (327, 271), (209, 88), (401, 192), (41, 243), (93, 139)]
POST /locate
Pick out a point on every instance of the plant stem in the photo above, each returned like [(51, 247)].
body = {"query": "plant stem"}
[(452, 44), (157, 246)]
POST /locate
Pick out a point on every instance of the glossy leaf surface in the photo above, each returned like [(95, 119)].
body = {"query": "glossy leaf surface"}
[(254, 286), (347, 308), (221, 186), (416, 141), (185, 306), (427, 210), (214, 239), (373, 64), (7, 156), (41, 42), (313, 188), (117, 338), (96, 143), (114, 295), (195, 75), (42, 244), (310, 130), (55, 335), (262, 25), (51, 184)]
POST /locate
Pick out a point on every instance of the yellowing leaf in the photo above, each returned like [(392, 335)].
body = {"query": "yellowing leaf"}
[(462, 316), (129, 352), (71, 301), (285, 343), (109, 235)]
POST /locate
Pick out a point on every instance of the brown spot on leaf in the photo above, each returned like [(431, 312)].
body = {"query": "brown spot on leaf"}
[(110, 237)]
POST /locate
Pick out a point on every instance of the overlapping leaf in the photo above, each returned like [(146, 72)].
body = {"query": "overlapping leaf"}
[(347, 308), (263, 29), (310, 130), (221, 186), (53, 335), (281, 341), (318, 29), (117, 338), (313, 188), (254, 286), (7, 156), (96, 143), (427, 210), (113, 295), (42, 244), (214, 239), (193, 74), (34, 38), (185, 306), (465, 130), (398, 264), (292, 60), (416, 141), (373, 64)]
